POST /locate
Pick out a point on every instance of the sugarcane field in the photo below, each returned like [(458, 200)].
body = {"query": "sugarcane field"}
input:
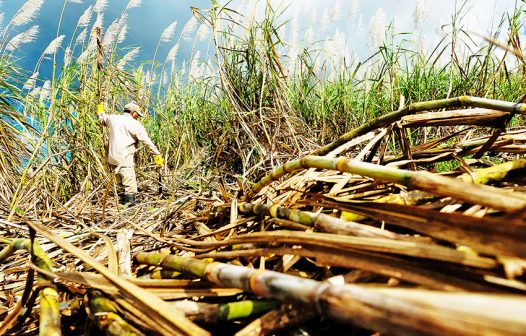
[(290, 168)]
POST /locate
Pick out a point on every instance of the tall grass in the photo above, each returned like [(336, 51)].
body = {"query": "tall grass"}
[(234, 111)]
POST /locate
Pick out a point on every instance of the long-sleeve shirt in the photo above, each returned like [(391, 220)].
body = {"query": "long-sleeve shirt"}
[(125, 132)]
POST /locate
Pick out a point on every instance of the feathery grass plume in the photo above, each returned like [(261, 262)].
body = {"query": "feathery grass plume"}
[(123, 31), (27, 13), (75, 1), (100, 6), (377, 28), (359, 26), (45, 92), (293, 42), (209, 69), (239, 15), (337, 50), (1, 18), (195, 66), (92, 44), (172, 54), (294, 29), (133, 4), (355, 7), (421, 13), (143, 92), (203, 32), (114, 32), (354, 15), (28, 36), (336, 13), (325, 20), (68, 54), (344, 55), (31, 81), (88, 52), (81, 38), (85, 18), (35, 92), (313, 16), (189, 28), (99, 22), (202, 70), (168, 32), (149, 78), (54, 45), (251, 17), (308, 38), (128, 57), (164, 79)]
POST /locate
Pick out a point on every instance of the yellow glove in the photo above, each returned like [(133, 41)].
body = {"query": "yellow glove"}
[(100, 108), (158, 160)]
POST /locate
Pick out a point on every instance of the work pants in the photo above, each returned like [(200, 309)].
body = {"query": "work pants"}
[(125, 177)]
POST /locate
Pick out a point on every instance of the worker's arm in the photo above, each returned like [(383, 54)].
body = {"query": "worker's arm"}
[(103, 117), (143, 137)]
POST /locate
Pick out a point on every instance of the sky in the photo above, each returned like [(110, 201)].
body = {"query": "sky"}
[(146, 23), (351, 22)]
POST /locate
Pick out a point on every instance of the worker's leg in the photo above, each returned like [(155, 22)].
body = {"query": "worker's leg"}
[(118, 178), (118, 182), (129, 181)]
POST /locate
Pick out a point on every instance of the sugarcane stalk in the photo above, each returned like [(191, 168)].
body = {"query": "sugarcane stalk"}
[(479, 176), (170, 322), (198, 311), (24, 300), (386, 119), (389, 310), (70, 307), (242, 309), (421, 180), (493, 173), (320, 221), (213, 313), (389, 266), (417, 249), (164, 274), (406, 146), (104, 312), (173, 263), (341, 242), (42, 260), (410, 198), (475, 116), (467, 148), (49, 323), (488, 235)]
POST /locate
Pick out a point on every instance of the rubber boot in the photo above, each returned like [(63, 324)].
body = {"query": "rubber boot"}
[(128, 199)]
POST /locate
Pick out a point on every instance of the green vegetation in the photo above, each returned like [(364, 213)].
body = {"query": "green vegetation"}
[(233, 112)]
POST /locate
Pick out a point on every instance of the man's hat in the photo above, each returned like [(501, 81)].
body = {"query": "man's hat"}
[(132, 107)]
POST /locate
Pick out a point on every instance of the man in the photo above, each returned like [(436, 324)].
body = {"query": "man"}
[(125, 132)]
